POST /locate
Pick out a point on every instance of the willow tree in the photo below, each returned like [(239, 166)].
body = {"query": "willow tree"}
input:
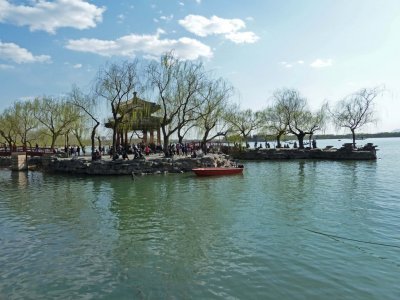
[(8, 125), (88, 105), (243, 122), (175, 84), (274, 122), (190, 81), (316, 121), (26, 123), (356, 110), (56, 115), (298, 117), (117, 83), (214, 99)]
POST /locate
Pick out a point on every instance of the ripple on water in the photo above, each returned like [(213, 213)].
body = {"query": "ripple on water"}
[(179, 236)]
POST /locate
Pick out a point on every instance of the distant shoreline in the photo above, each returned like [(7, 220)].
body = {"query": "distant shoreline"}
[(359, 136)]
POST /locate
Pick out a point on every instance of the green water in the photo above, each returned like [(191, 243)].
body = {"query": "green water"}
[(183, 237)]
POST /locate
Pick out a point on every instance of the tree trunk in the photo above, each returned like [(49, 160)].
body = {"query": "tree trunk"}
[(278, 141), (92, 136), (180, 137), (204, 146), (166, 146), (300, 138), (114, 145), (53, 141), (354, 137), (99, 140), (204, 141), (166, 142)]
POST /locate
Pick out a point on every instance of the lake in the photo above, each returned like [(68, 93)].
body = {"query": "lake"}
[(282, 230)]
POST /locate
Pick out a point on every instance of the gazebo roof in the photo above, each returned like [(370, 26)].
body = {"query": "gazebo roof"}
[(137, 104), (137, 115)]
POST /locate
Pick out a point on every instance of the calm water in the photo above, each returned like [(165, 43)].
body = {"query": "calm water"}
[(182, 237)]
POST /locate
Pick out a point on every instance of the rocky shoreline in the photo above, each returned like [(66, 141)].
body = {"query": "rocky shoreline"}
[(368, 152), (149, 165), (157, 164)]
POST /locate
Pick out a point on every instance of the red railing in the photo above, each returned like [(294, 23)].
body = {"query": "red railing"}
[(30, 151)]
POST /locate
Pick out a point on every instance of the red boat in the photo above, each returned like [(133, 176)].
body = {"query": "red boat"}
[(217, 171)]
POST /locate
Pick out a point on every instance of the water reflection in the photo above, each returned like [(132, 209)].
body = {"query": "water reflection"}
[(179, 236), (21, 178)]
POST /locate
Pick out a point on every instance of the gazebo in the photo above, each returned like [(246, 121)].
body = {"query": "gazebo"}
[(137, 116)]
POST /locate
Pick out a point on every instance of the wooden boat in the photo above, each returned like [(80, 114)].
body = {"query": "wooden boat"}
[(217, 171)]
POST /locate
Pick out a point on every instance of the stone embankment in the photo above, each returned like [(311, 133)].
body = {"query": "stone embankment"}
[(368, 152), (5, 162), (148, 165)]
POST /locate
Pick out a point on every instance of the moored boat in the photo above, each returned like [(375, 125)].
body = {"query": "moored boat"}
[(217, 171)]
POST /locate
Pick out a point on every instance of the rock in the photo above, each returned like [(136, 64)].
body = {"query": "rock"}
[(178, 164), (368, 152)]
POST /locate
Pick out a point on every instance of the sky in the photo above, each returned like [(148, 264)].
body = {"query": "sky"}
[(327, 49)]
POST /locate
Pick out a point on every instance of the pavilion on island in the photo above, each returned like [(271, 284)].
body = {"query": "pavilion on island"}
[(137, 116)]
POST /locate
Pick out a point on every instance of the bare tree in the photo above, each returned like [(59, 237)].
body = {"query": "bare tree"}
[(87, 104), (243, 122), (356, 110), (117, 84), (56, 115), (274, 122), (176, 84), (190, 80), (214, 98), (315, 121), (24, 121), (8, 127), (299, 119)]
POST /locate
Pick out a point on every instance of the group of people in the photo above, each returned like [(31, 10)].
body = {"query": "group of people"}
[(185, 149), (284, 145), (139, 150), (73, 150)]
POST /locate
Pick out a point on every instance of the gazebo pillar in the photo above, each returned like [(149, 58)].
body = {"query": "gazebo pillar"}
[(151, 136), (145, 136), (158, 136)]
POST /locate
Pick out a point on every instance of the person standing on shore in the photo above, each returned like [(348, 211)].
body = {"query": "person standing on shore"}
[(147, 150)]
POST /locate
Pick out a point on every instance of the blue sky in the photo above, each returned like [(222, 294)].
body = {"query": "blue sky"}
[(325, 48)]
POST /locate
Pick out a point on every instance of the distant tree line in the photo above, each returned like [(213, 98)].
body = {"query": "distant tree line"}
[(191, 100)]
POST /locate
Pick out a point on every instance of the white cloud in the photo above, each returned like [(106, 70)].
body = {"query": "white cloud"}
[(13, 52), (167, 18), (77, 66), (203, 27), (50, 16), (148, 45), (198, 1), (6, 67), (300, 62), (181, 4), (242, 37), (286, 64), (321, 63)]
